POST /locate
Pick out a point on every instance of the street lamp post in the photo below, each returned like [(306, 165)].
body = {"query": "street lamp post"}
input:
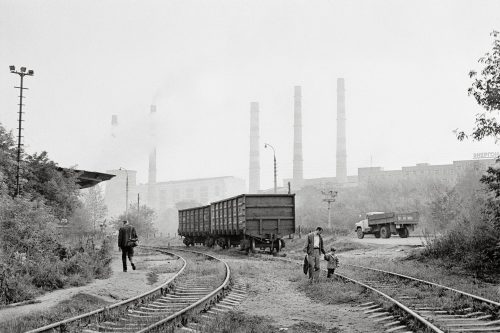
[(22, 72), (126, 192), (274, 155)]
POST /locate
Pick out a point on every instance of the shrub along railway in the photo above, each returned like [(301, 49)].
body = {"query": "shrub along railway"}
[(199, 285)]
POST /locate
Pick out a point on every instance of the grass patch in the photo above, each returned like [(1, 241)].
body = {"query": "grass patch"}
[(240, 322), (433, 271), (78, 304), (152, 277), (332, 291)]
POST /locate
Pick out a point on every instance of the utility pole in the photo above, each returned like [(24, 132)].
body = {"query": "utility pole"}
[(329, 198), (22, 72), (138, 207), (126, 192)]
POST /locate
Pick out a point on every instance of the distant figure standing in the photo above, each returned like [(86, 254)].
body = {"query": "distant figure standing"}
[(126, 237), (333, 262), (314, 248)]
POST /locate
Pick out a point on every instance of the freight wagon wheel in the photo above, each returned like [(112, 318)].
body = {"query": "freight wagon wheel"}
[(385, 232), (222, 243), (276, 246), (403, 233), (252, 245), (377, 235), (360, 233)]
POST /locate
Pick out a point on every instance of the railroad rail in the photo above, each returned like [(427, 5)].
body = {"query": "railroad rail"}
[(171, 303), (437, 307), (480, 315)]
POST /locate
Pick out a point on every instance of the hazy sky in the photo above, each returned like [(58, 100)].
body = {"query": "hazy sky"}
[(405, 65)]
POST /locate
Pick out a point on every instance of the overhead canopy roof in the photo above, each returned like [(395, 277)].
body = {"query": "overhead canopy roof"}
[(89, 178)]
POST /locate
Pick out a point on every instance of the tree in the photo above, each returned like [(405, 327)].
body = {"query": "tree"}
[(142, 220), (486, 90), (41, 179), (93, 202)]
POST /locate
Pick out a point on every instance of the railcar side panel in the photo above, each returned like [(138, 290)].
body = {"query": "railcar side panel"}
[(194, 221), (271, 216)]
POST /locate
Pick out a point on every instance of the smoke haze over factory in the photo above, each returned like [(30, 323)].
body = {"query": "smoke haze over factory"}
[(203, 63)]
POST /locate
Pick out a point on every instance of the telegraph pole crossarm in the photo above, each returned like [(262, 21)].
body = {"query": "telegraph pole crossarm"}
[(329, 198)]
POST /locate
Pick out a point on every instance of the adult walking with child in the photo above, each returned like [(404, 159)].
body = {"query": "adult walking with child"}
[(314, 248)]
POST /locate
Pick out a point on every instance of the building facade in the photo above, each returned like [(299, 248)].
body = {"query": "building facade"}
[(166, 195), (448, 173)]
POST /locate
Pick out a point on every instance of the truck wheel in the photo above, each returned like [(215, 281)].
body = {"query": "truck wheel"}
[(360, 233), (403, 233), (385, 232), (377, 235)]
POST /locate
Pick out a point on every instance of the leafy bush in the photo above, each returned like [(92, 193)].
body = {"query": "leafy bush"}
[(473, 243), (34, 256)]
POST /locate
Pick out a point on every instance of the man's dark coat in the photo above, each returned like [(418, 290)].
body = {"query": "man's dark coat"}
[(126, 232)]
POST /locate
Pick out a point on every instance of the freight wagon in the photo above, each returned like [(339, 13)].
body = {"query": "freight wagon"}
[(248, 220)]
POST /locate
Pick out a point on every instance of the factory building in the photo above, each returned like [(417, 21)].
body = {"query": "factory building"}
[(167, 194), (447, 173)]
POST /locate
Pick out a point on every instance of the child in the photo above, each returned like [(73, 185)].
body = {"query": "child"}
[(333, 262)]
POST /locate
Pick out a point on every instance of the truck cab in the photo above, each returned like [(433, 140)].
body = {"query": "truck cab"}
[(384, 225), (363, 228)]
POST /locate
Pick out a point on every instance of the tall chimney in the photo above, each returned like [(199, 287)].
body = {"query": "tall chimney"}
[(152, 159), (254, 177), (114, 125), (298, 173), (341, 174)]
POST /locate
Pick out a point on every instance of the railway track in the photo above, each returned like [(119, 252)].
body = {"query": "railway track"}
[(408, 304), (193, 289), (435, 307)]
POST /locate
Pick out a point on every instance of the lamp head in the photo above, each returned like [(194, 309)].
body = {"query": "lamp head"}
[(12, 68), (23, 69), (31, 72)]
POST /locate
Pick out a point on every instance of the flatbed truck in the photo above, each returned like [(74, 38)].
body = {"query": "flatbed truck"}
[(386, 224)]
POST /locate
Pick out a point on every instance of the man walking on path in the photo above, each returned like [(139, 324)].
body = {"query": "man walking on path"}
[(126, 239), (314, 248)]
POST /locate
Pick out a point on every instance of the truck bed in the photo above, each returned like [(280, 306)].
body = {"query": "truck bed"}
[(397, 218)]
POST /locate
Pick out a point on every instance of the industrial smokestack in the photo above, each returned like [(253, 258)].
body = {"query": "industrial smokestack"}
[(341, 174), (114, 125), (254, 177), (152, 152), (152, 159), (298, 173)]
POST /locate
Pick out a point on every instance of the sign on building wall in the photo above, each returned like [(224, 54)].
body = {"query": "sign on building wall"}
[(478, 156)]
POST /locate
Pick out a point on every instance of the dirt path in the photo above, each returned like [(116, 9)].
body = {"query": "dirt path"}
[(121, 285), (273, 294)]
